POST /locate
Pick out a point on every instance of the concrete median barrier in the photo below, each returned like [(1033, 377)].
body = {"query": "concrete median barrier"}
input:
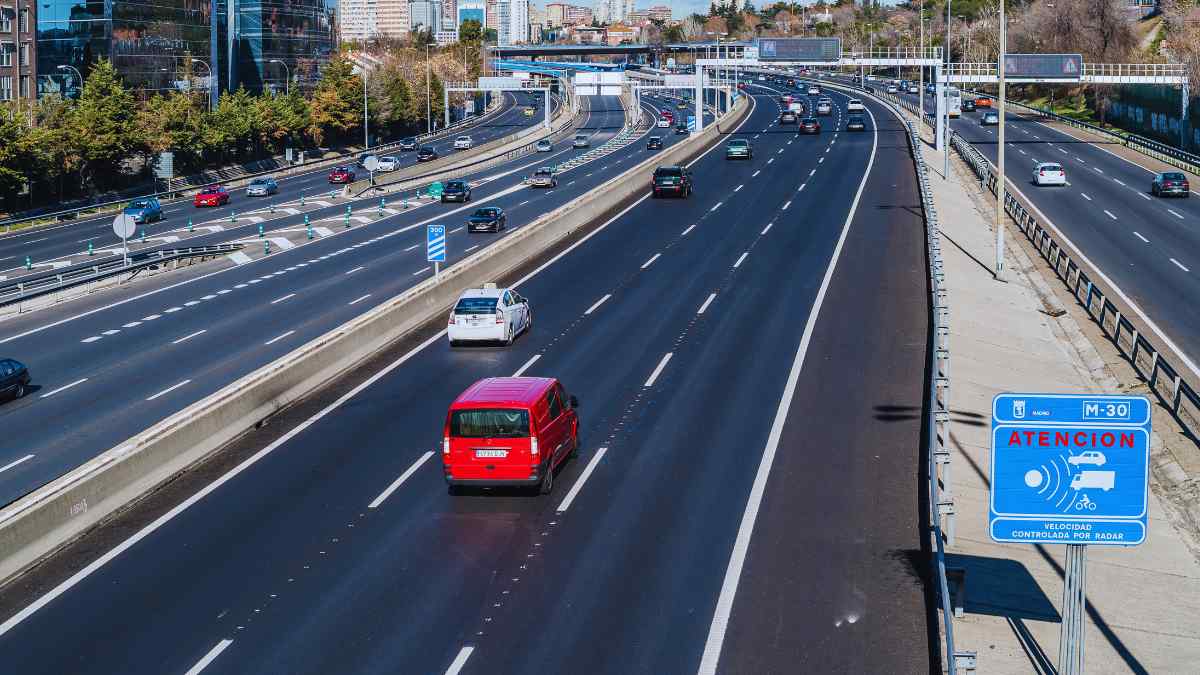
[(38, 524)]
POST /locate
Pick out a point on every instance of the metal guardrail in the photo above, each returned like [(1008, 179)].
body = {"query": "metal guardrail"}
[(1163, 378), (34, 286)]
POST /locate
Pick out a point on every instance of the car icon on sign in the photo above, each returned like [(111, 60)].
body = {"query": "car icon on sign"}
[(1094, 457)]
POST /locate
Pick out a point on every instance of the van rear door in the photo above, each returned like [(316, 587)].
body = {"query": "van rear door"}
[(489, 443)]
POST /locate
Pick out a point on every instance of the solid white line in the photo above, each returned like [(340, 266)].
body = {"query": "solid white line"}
[(658, 369), (411, 247), (168, 390), (786, 205), (530, 362), (739, 260), (599, 302), (1082, 194), (1139, 236), (354, 270), (1145, 196), (460, 660), (767, 228), (1172, 212), (1118, 182), (10, 465), (278, 338), (651, 260), (421, 271), (1110, 214), (289, 295), (689, 229), (741, 546), (209, 657), (587, 473), (756, 172), (359, 299), (1180, 265), (400, 481), (188, 337), (64, 387), (716, 206), (711, 297)]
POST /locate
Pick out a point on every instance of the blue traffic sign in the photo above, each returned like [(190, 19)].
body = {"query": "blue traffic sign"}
[(435, 243), (691, 123), (1069, 469)]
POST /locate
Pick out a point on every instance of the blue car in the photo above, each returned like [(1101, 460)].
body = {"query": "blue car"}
[(144, 210)]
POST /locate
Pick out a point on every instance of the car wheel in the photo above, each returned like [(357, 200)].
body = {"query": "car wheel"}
[(1154, 190), (20, 390), (509, 336), (547, 484)]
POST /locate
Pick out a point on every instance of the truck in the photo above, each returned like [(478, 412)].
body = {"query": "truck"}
[(1103, 480)]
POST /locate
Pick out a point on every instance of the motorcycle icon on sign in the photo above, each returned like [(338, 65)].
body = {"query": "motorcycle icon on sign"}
[(1103, 480), (1085, 503)]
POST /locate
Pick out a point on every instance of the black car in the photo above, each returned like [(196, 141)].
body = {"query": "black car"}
[(967, 105), (426, 155), (810, 125), (489, 219), (408, 145), (456, 191), (681, 128), (672, 180), (14, 378), (1170, 183), (655, 143), (856, 123)]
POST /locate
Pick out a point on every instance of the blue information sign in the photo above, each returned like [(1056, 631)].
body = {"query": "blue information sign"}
[(1069, 469), (435, 243), (691, 123)]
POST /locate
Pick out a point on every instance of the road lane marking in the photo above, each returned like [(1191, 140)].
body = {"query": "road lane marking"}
[(821, 161), (91, 339), (786, 205), (1110, 214), (64, 387), (1084, 195), (209, 657), (1174, 213), (286, 297), (421, 271), (1180, 265), (459, 661), (1098, 169), (10, 465), (651, 260), (151, 317), (526, 366), (277, 338), (356, 269), (767, 228), (1145, 196), (689, 229), (168, 390), (801, 188), (1065, 152), (711, 297), (587, 473), (599, 302), (658, 369), (740, 259), (1118, 182), (410, 248), (189, 337), (134, 324), (1021, 151), (756, 172), (770, 160), (400, 481), (359, 299), (717, 206), (811, 173), (1139, 236), (738, 188)]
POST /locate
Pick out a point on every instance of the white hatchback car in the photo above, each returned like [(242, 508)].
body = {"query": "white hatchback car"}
[(387, 164), (1049, 173), (663, 123), (488, 314), (854, 105), (463, 143)]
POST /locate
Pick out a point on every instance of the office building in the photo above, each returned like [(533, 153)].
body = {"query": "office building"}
[(492, 14), (578, 16), (18, 50), (513, 19), (425, 15), (393, 19), (358, 20), (472, 9)]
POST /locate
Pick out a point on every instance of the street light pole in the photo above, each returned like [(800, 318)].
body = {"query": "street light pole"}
[(1000, 187), (288, 71), (946, 102), (428, 104), (366, 118)]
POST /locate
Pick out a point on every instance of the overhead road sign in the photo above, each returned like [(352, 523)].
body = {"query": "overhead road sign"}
[(1044, 66), (500, 83), (1069, 469), (799, 49), (680, 81)]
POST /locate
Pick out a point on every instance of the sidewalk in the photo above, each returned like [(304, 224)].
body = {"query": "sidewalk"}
[(1143, 602)]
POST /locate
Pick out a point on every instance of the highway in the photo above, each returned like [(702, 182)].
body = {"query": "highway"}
[(69, 240), (750, 366)]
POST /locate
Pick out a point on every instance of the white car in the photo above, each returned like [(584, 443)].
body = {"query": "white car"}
[(544, 145), (387, 164), (1094, 457), (1049, 173), (892, 89), (581, 141), (913, 89), (814, 90), (663, 123), (463, 143), (854, 105), (488, 314)]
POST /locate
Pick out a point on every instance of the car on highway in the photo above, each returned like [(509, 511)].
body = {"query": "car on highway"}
[(854, 105), (913, 89), (342, 175), (363, 157), (967, 105), (488, 314), (671, 180), (787, 117), (387, 164), (463, 143), (682, 105), (408, 145), (983, 102), (856, 122), (528, 111), (509, 431), (426, 154), (487, 219), (456, 191), (211, 195), (668, 116), (580, 141), (544, 145), (814, 90), (262, 187), (144, 210), (1170, 183), (663, 123), (989, 119), (681, 128), (825, 107), (739, 148), (14, 378), (655, 143), (810, 125), (893, 89), (1049, 173), (544, 178)]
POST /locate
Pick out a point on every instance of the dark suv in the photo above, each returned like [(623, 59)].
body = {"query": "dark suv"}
[(456, 191), (1170, 183), (672, 180)]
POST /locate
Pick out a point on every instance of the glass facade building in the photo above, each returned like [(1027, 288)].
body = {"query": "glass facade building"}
[(301, 33)]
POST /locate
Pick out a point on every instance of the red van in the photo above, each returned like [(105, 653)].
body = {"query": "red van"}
[(509, 431)]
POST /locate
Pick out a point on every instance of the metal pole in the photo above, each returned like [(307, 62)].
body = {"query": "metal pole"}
[(699, 98), (1000, 186), (1071, 632), (446, 104), (946, 104), (428, 112), (546, 112), (921, 68), (366, 122)]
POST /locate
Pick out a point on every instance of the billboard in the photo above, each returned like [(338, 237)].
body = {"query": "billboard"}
[(799, 49), (1044, 66)]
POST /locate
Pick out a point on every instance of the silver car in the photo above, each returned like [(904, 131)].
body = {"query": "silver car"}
[(543, 177), (580, 141), (261, 187), (544, 146)]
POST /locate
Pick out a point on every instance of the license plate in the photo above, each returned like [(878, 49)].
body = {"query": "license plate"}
[(485, 453)]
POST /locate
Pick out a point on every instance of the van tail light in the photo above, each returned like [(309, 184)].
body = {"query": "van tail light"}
[(533, 446), (445, 445), (1041, 172), (450, 321)]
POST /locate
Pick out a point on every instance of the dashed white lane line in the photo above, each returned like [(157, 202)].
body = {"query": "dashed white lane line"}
[(167, 390), (597, 304), (1118, 182), (786, 205), (767, 228), (356, 269), (740, 259), (64, 387), (1018, 149), (689, 229), (738, 188), (191, 303), (1139, 236), (10, 465), (256, 281), (1098, 169), (460, 661), (716, 206), (89, 340), (421, 271), (1110, 214), (532, 360), (189, 337), (650, 262), (1062, 151), (780, 151), (1145, 196), (110, 332), (400, 481), (470, 248), (1175, 213), (756, 172), (277, 338), (359, 299), (1084, 194), (411, 248), (1080, 160), (658, 369), (707, 302), (457, 229), (587, 473), (151, 317), (812, 173), (1180, 265), (134, 324), (286, 297), (821, 160), (801, 188), (209, 657), (770, 160)]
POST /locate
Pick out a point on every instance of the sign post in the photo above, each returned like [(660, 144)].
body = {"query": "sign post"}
[(1070, 469), (435, 248), (124, 227)]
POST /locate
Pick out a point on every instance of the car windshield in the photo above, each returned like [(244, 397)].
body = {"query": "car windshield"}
[(489, 423), (485, 213), (670, 172), (581, 138), (475, 306), (258, 181), (810, 120), (139, 204), (464, 138), (738, 144), (1174, 176), (543, 172), (455, 185)]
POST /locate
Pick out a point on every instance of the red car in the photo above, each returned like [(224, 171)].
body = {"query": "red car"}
[(213, 195), (341, 174), (509, 431)]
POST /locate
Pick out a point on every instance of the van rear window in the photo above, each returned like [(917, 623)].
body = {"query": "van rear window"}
[(489, 423), (475, 306)]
